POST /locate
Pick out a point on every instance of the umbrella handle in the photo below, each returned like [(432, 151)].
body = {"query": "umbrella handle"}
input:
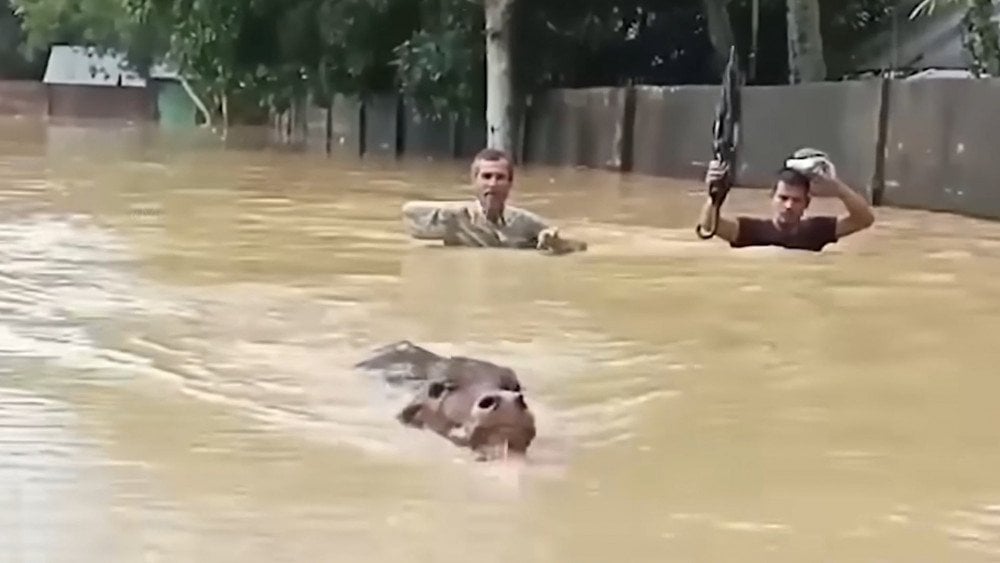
[(717, 191), (707, 234)]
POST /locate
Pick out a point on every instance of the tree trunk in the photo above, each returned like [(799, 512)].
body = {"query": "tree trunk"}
[(225, 116), (720, 31), (805, 42), (499, 78), (754, 33), (205, 114)]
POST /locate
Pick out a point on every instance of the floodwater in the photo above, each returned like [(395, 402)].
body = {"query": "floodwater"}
[(178, 322)]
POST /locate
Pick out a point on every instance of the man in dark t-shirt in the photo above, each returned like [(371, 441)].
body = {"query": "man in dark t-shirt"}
[(787, 227), (813, 233)]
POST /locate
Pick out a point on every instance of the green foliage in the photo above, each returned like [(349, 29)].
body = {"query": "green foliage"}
[(440, 66), (272, 51), (262, 54), (439, 72), (849, 18), (980, 38), (571, 32), (850, 23), (17, 62), (45, 22)]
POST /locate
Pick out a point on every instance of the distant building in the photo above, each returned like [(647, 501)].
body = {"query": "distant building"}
[(80, 82)]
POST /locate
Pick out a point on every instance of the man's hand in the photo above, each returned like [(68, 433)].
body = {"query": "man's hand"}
[(549, 240), (727, 229), (824, 185), (716, 171)]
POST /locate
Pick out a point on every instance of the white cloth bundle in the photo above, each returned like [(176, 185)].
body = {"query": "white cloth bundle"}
[(810, 161)]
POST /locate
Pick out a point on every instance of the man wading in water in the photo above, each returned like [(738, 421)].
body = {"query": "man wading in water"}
[(790, 197), (485, 221)]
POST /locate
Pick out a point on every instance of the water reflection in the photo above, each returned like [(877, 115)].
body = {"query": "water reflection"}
[(177, 327)]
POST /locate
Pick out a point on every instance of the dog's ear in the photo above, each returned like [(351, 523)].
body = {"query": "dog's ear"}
[(408, 415)]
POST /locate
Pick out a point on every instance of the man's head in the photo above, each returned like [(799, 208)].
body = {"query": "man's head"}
[(492, 176), (790, 197)]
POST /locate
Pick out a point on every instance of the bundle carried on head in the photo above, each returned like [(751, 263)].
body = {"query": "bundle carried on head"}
[(811, 161)]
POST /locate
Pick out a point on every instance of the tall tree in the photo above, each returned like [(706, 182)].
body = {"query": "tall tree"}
[(720, 30), (440, 67), (499, 76), (248, 57), (16, 62), (805, 42)]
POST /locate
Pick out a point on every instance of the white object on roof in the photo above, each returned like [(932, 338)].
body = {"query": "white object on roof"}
[(941, 73), (84, 66)]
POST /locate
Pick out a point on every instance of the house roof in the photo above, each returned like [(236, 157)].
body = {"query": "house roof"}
[(78, 65)]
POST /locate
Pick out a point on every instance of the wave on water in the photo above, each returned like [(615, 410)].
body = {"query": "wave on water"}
[(72, 296)]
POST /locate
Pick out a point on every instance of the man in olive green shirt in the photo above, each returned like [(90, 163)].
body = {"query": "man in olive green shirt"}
[(485, 221)]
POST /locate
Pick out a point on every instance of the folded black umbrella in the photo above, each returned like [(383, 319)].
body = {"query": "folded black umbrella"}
[(725, 133)]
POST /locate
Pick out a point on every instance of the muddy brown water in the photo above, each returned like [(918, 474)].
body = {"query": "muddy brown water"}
[(178, 322)]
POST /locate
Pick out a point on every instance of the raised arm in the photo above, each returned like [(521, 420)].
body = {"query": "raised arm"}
[(859, 214), (728, 229)]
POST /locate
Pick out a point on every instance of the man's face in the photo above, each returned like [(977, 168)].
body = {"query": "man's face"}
[(492, 179), (789, 203)]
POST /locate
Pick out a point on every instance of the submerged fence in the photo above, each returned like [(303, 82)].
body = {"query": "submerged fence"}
[(905, 143), (22, 97)]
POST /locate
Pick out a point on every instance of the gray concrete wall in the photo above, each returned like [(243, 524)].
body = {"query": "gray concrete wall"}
[(383, 125), (426, 136), (840, 118), (346, 135), (938, 152), (672, 133), (920, 144), (579, 128)]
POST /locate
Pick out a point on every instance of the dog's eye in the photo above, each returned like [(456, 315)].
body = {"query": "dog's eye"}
[(487, 402), (436, 389)]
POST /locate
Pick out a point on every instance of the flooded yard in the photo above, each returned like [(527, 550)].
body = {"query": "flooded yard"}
[(178, 324)]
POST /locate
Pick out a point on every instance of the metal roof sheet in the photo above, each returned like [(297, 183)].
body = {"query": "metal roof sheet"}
[(72, 64)]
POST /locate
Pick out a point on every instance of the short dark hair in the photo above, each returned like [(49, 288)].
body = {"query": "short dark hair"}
[(793, 177), (493, 155)]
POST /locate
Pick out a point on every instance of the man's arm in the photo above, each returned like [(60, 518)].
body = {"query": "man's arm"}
[(728, 229), (547, 237), (426, 220), (859, 213)]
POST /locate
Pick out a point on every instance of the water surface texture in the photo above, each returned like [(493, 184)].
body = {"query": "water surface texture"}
[(178, 322)]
